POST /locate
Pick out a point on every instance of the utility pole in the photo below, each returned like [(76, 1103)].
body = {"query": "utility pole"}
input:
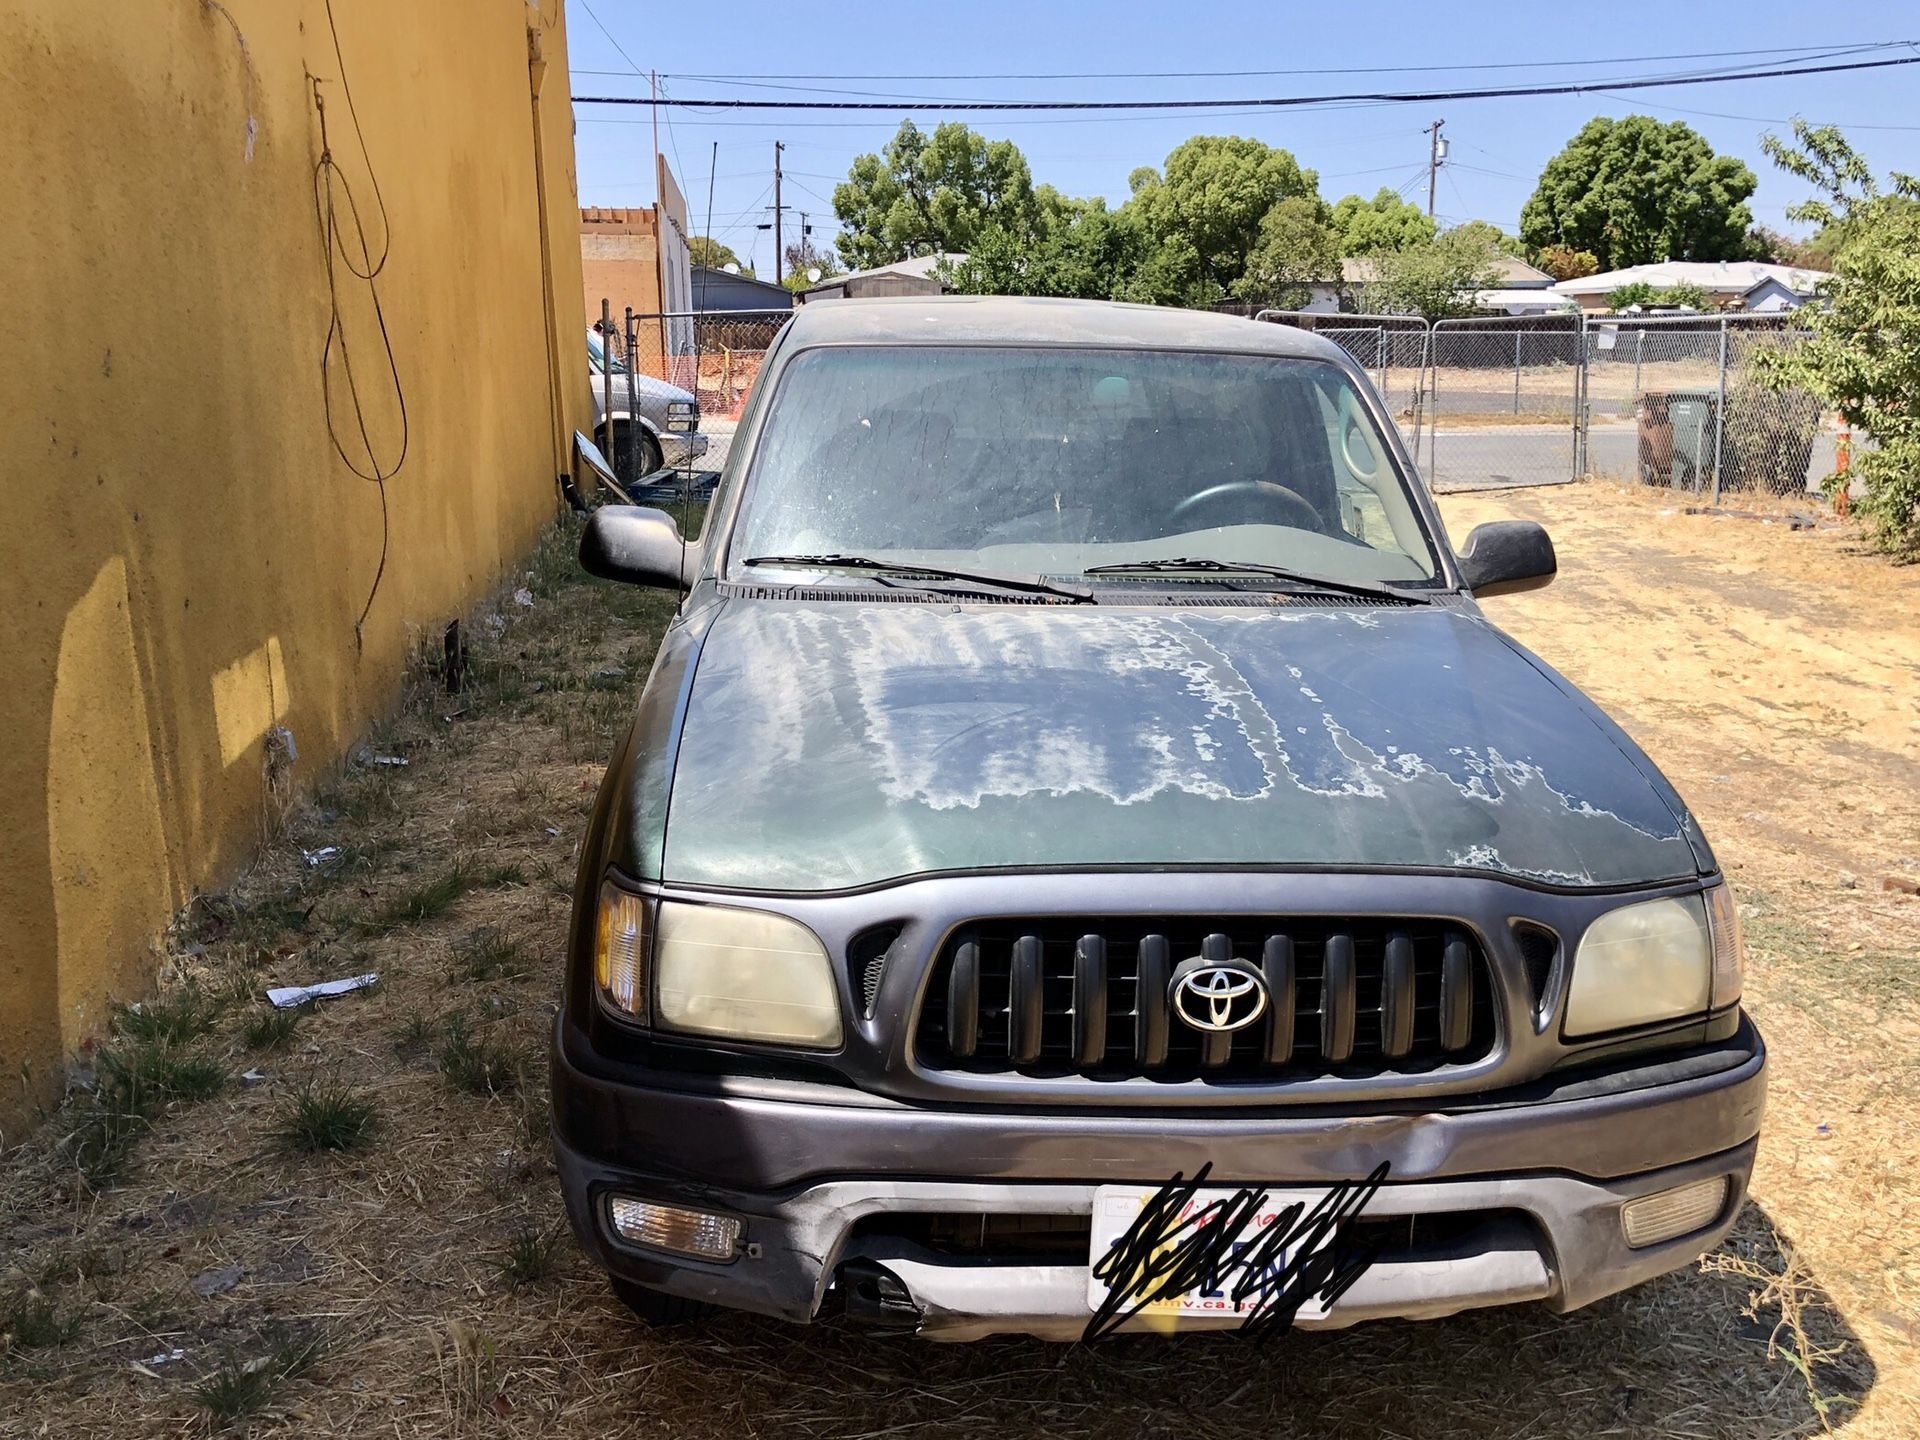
[(779, 255), (1436, 152)]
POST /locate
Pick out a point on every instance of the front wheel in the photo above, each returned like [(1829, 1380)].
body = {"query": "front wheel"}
[(645, 456), (653, 1308)]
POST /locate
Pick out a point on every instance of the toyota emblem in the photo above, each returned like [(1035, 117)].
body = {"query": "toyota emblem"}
[(1218, 997)]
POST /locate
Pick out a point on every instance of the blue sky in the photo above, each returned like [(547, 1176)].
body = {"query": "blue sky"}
[(1498, 146)]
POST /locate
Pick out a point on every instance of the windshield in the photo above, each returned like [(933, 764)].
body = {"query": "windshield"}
[(597, 356), (1057, 461)]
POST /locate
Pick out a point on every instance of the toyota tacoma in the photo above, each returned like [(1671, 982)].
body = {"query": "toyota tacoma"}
[(1080, 784)]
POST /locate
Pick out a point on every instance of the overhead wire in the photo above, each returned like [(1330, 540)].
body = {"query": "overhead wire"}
[(1768, 119), (1278, 101), (1314, 70), (1801, 56), (610, 38)]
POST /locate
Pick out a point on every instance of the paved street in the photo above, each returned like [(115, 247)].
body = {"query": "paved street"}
[(1498, 456)]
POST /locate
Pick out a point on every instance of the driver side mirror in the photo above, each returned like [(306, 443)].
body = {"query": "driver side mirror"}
[(639, 545), (1506, 557)]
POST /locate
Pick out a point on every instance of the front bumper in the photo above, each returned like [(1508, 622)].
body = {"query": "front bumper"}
[(680, 450), (1531, 1188)]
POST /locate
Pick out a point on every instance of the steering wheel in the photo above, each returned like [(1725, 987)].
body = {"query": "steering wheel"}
[(1213, 494)]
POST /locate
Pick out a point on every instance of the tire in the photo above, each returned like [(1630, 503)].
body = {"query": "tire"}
[(646, 452), (651, 1307)]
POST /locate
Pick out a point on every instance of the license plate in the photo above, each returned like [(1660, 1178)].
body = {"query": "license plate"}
[(1117, 1207)]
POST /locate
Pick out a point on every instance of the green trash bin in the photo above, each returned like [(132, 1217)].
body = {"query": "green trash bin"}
[(1676, 437)]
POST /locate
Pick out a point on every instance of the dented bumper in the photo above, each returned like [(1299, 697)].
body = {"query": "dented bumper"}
[(1504, 1200)]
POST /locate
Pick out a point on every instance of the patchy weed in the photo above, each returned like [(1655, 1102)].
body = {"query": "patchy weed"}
[(327, 1116), (362, 798), (272, 1028), (132, 1082), (238, 1388), (413, 1034), (531, 1256), (426, 901), (491, 953), (477, 1065), (172, 1020), (29, 1320)]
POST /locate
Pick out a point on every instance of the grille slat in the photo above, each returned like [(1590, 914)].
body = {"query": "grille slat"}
[(1276, 963), (1090, 999), (1396, 997), (1066, 996), (1338, 1001), (1026, 1002), (1456, 993)]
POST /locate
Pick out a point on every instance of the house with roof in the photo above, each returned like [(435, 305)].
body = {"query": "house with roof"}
[(721, 289), (1751, 286), (1518, 289), (913, 276)]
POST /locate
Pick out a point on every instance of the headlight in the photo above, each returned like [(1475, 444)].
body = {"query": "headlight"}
[(1642, 963), (743, 974), (620, 950)]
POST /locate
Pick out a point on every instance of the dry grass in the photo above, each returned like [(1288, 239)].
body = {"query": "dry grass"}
[(422, 1285)]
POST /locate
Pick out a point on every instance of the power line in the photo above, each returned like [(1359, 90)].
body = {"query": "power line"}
[(1270, 102), (1775, 120), (887, 123), (1795, 50), (1802, 56), (610, 40)]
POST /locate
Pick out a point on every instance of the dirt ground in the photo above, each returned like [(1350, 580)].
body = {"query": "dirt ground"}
[(420, 1281)]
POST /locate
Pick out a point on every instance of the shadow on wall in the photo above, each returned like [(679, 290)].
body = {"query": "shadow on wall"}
[(119, 831)]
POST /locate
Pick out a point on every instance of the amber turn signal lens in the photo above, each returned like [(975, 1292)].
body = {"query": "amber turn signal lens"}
[(620, 950)]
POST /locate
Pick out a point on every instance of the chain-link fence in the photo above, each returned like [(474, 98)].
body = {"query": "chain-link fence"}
[(1538, 400), (1682, 402), (1504, 402), (715, 355), (1482, 403), (1390, 348)]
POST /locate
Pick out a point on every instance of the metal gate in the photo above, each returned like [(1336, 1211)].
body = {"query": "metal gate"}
[(1505, 402)]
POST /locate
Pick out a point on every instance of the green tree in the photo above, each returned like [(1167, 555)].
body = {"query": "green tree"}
[(924, 194), (1498, 240), (1297, 246), (1075, 248), (1634, 292), (802, 257), (1386, 222), (1863, 357), (1201, 214), (1563, 262), (1690, 295), (710, 252), (1641, 293), (1634, 191), (1437, 279)]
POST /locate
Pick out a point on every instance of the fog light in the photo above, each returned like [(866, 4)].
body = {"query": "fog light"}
[(670, 1227), (1673, 1213)]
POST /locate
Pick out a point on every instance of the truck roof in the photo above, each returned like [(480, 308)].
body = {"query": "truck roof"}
[(1023, 320)]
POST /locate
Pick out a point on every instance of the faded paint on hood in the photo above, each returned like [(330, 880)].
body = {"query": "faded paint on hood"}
[(829, 745)]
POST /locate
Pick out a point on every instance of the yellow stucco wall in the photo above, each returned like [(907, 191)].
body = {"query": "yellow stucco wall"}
[(183, 557)]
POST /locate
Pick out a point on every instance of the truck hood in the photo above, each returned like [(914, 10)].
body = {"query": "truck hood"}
[(829, 745)]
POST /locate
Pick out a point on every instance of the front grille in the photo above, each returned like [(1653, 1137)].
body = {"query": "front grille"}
[(1089, 996)]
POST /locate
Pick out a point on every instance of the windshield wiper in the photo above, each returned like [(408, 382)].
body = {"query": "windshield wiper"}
[(1201, 565), (1030, 584)]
